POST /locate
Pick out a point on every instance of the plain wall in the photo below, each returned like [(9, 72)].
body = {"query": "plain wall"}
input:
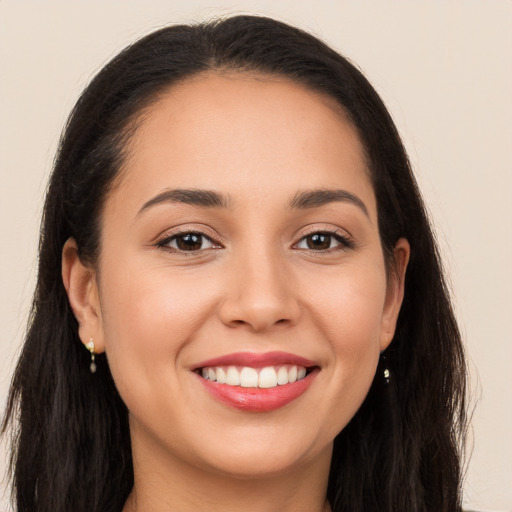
[(442, 67)]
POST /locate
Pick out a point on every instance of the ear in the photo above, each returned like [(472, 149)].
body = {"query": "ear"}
[(81, 286), (394, 291)]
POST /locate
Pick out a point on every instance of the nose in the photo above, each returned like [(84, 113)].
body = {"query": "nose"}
[(261, 293)]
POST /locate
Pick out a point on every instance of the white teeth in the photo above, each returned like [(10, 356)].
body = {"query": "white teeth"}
[(247, 377), (221, 375), (233, 376), (282, 376), (268, 377)]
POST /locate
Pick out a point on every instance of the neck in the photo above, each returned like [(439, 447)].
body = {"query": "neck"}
[(233, 499)]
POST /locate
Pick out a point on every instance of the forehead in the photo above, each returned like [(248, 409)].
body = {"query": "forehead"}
[(224, 130)]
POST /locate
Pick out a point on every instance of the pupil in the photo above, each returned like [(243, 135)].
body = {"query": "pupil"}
[(189, 242), (319, 241)]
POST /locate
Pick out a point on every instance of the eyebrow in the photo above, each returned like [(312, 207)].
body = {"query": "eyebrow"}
[(211, 199), (321, 197), (195, 197)]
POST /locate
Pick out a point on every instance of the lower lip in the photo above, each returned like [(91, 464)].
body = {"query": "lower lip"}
[(258, 399)]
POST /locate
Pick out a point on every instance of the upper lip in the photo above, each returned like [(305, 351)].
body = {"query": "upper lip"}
[(256, 360)]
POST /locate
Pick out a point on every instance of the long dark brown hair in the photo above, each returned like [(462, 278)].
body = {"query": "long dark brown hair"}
[(71, 447)]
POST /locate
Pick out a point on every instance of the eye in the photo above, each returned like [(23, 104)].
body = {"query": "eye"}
[(322, 241), (189, 242)]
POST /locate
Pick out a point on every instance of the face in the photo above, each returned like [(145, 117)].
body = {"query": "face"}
[(241, 295)]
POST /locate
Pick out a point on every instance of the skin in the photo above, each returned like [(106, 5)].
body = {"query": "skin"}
[(256, 287)]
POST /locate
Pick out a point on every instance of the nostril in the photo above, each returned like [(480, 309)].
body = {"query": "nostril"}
[(258, 313), (238, 322)]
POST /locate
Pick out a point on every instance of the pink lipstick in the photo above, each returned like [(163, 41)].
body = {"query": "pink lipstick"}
[(257, 382)]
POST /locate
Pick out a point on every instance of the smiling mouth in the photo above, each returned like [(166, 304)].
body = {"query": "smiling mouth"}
[(257, 382), (248, 377)]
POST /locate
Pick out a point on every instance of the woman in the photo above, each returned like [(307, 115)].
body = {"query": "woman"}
[(240, 304)]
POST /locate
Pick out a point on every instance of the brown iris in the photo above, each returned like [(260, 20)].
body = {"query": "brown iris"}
[(319, 241), (189, 242)]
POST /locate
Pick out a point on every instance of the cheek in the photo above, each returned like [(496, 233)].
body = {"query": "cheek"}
[(348, 313), (149, 316), (348, 304)]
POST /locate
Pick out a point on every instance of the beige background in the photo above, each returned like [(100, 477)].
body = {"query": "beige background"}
[(443, 68)]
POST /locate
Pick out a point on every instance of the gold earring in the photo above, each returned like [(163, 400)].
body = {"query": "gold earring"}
[(90, 347), (385, 373)]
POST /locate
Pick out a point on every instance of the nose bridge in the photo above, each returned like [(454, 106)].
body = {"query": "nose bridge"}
[(261, 289)]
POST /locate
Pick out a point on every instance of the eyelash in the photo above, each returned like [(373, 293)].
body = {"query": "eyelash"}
[(342, 239), (164, 243)]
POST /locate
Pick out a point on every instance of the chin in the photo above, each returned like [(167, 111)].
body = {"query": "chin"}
[(264, 466), (263, 457)]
